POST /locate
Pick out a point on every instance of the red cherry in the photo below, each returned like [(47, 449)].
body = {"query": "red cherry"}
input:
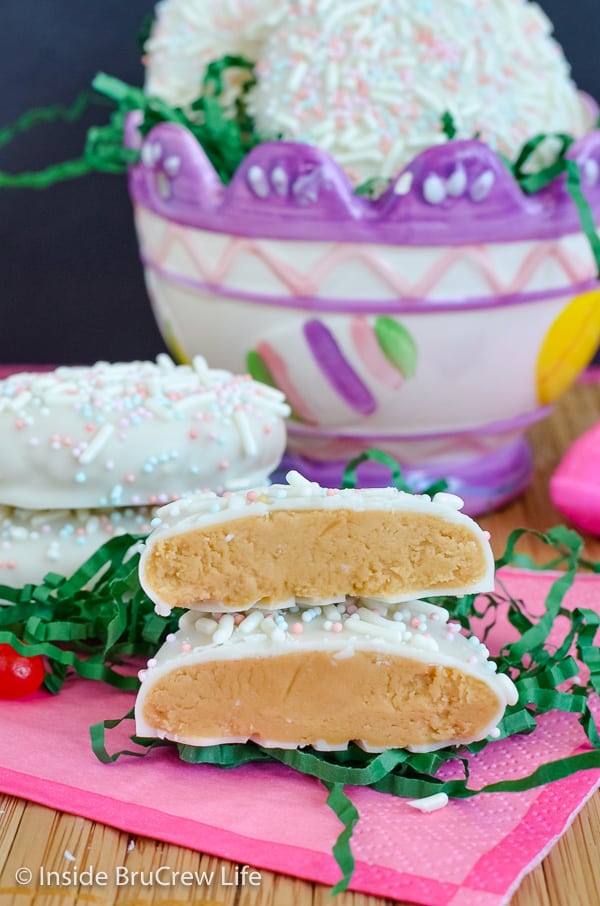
[(19, 675)]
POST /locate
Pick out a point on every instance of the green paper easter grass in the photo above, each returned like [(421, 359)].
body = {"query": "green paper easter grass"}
[(93, 623)]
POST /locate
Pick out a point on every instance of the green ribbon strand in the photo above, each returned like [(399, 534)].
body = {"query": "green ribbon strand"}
[(345, 810)]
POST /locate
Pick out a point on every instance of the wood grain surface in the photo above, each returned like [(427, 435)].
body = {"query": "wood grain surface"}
[(34, 836)]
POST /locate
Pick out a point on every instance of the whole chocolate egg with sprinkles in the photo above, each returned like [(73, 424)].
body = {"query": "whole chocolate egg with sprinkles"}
[(370, 82)]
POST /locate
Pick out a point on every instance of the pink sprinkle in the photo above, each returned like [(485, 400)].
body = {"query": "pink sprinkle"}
[(266, 429), (19, 424), (337, 627), (193, 433), (251, 496), (415, 623), (185, 647), (331, 492), (90, 426), (238, 618), (224, 464), (297, 628), (130, 478)]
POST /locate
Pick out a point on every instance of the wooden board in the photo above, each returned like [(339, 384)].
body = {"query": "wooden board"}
[(36, 837)]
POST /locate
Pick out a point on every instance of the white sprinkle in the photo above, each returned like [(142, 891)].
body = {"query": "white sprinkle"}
[(96, 444), (247, 438), (430, 803), (69, 856), (452, 501), (251, 622), (206, 625), (225, 630)]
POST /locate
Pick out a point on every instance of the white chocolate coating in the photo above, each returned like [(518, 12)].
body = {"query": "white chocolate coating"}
[(203, 511), (36, 542), (134, 434), (415, 630)]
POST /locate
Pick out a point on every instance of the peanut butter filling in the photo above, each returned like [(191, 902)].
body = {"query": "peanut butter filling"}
[(313, 553), (299, 699)]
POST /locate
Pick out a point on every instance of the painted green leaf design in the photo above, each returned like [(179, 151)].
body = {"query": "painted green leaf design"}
[(258, 370), (397, 345)]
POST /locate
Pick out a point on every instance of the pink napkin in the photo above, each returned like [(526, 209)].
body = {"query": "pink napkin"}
[(473, 851)]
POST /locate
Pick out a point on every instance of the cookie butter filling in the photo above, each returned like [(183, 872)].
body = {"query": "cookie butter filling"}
[(299, 540), (386, 677)]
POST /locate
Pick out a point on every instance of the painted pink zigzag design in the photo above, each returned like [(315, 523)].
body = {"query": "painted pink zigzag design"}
[(300, 284)]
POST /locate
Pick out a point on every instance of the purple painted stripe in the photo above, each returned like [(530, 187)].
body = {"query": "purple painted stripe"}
[(364, 306), (500, 427), (336, 368)]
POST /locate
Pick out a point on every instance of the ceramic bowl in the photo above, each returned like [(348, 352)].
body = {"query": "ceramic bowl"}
[(436, 323)]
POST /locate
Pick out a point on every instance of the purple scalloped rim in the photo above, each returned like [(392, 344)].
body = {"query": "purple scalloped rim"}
[(457, 193)]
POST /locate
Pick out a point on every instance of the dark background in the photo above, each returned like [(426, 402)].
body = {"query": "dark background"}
[(71, 287)]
